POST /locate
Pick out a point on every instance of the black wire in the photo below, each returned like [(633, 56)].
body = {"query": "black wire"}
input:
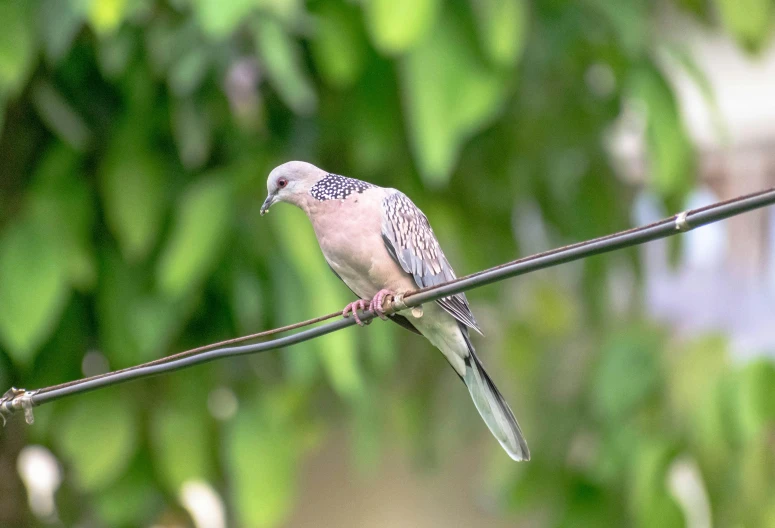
[(640, 235)]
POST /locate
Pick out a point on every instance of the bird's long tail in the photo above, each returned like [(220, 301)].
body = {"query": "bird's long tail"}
[(493, 408)]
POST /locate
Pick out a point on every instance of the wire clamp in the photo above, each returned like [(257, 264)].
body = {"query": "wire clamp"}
[(682, 222), (15, 399), (398, 303)]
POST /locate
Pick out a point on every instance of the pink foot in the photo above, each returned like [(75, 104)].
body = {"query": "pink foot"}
[(353, 307), (376, 303)]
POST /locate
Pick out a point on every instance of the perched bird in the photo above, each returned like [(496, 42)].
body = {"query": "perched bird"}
[(379, 243)]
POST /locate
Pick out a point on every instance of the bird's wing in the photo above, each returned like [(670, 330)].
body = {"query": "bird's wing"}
[(410, 241)]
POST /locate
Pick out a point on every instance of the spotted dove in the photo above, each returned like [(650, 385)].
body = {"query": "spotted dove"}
[(379, 243)]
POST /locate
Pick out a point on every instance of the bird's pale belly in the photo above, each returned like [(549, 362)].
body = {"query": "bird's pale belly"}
[(367, 272)]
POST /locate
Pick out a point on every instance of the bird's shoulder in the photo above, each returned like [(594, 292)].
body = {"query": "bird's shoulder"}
[(397, 205)]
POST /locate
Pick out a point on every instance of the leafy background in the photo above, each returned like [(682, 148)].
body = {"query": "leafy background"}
[(136, 139)]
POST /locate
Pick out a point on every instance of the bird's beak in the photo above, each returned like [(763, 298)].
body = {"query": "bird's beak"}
[(267, 204)]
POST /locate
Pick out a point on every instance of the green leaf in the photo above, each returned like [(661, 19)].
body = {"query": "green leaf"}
[(132, 500), (748, 21), (162, 40), (219, 19), (60, 23), (290, 12), (114, 54), (97, 437), (396, 26), (199, 235), (33, 288), (302, 361), (714, 429), (117, 294), (106, 16), (376, 133), (339, 46), (627, 373), (133, 185), (188, 72), (755, 405), (247, 300), (2, 113), (368, 431), (60, 116), (338, 349), (153, 320), (502, 26), (17, 45), (382, 347), (263, 455), (756, 477), (694, 369), (698, 8), (135, 325), (627, 21), (64, 204), (552, 311), (282, 58), (669, 149), (650, 499), (450, 95), (192, 131), (179, 461)]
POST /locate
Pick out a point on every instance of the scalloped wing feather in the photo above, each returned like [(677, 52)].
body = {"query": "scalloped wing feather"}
[(411, 242)]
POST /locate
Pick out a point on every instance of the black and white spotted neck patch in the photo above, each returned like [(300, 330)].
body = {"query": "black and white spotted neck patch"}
[(335, 187)]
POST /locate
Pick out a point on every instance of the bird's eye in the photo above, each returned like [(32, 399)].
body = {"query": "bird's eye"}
[(282, 182)]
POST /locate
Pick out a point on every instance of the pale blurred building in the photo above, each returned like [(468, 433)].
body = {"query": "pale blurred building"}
[(726, 278)]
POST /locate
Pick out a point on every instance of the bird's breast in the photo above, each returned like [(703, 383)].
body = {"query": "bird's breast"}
[(350, 236)]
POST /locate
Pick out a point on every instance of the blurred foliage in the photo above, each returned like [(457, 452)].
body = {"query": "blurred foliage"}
[(136, 138)]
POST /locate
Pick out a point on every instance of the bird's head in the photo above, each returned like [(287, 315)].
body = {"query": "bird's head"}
[(291, 182)]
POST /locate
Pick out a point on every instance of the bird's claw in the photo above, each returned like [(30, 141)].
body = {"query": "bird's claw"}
[(376, 303), (353, 307), (374, 306)]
